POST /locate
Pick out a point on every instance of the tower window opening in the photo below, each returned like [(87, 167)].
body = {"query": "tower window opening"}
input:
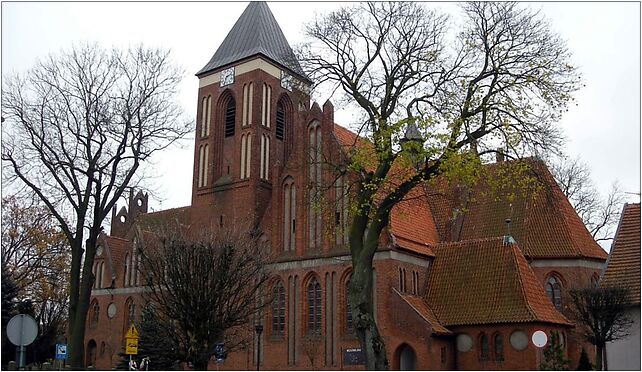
[(230, 118), (280, 121)]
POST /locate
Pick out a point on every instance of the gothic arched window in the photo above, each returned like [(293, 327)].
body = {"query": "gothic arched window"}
[(280, 121), (95, 313), (248, 95), (289, 215), (349, 325), (314, 307), (554, 291), (265, 107), (278, 309), (483, 347), (130, 313), (265, 157), (246, 155), (230, 117), (498, 347)]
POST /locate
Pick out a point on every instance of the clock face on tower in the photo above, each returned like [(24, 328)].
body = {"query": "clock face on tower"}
[(227, 76)]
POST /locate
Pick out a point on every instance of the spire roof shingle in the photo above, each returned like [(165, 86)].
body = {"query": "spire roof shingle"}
[(255, 32)]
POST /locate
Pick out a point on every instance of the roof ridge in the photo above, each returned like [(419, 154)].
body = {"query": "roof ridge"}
[(521, 281)]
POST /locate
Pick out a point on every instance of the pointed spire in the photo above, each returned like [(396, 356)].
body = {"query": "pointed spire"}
[(255, 32)]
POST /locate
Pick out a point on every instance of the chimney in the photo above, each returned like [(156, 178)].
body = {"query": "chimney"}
[(499, 156)]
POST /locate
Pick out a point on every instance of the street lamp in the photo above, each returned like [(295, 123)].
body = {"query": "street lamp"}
[(258, 329)]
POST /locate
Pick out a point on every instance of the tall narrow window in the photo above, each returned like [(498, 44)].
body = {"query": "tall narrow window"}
[(134, 269), (554, 292), (243, 153), (206, 164), (278, 309), (101, 268), (314, 220), (201, 162), (499, 347), (314, 307), (203, 115), (341, 211), (208, 119), (130, 313), (483, 347), (230, 117), (266, 104), (95, 314), (289, 215), (127, 266), (280, 121), (265, 157), (248, 100), (349, 326)]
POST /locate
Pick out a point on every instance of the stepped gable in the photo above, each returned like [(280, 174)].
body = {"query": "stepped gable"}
[(544, 223), (623, 266), (256, 32), (486, 281)]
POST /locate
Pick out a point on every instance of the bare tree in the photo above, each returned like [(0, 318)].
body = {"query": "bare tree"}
[(601, 313), (77, 127), (208, 284), (600, 216), (502, 81)]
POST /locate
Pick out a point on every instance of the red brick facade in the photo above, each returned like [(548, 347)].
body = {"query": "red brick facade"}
[(414, 336)]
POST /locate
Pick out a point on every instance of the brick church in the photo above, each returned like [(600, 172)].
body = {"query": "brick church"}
[(451, 290)]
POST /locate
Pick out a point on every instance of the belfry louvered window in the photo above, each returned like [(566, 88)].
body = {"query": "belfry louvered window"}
[(230, 118), (280, 121)]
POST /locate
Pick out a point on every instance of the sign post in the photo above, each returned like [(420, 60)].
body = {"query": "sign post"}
[(22, 330), (539, 339), (131, 343)]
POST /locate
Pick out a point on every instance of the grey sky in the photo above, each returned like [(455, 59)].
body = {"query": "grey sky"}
[(603, 129)]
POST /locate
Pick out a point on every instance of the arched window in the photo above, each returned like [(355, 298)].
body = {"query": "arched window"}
[(349, 325), (265, 106), (248, 94), (91, 353), (280, 121), (341, 211), (246, 154), (201, 161), (278, 309), (209, 116), (126, 271), (314, 220), (130, 315), (230, 117), (314, 307), (554, 292), (203, 116), (206, 163), (498, 344), (265, 157), (289, 215), (483, 347), (95, 314), (100, 275)]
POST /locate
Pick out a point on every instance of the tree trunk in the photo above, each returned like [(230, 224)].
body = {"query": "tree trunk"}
[(599, 352), (360, 296), (604, 359)]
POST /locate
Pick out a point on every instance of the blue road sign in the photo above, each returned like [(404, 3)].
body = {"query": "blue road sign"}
[(61, 351)]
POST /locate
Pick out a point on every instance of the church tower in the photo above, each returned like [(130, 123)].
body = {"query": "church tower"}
[(250, 96)]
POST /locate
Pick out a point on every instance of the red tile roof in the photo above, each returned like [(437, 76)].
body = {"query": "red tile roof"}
[(420, 307), (485, 281), (623, 265), (543, 221), (412, 225)]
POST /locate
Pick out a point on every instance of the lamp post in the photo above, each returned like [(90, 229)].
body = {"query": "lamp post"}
[(258, 329)]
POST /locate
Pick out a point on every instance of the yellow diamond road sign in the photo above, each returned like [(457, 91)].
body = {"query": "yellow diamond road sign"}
[(132, 332)]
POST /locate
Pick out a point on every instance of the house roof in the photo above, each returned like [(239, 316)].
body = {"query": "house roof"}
[(486, 281), (256, 32), (412, 225), (420, 307), (543, 221), (623, 266)]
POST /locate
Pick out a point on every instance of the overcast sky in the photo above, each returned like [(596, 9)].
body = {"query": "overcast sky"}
[(603, 129)]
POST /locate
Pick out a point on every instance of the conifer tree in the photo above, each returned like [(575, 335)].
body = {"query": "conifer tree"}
[(584, 363), (554, 358), (155, 342)]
